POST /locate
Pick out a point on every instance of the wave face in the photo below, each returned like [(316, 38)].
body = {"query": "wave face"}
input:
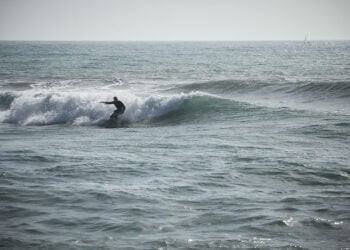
[(321, 96)]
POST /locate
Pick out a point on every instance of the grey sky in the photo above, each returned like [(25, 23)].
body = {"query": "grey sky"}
[(174, 19)]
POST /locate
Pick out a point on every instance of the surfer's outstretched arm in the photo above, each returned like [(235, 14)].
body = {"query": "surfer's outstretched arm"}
[(107, 102)]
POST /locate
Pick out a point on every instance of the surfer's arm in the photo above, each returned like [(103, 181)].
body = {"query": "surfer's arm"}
[(107, 102)]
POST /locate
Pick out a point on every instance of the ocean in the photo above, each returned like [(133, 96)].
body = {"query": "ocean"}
[(223, 145)]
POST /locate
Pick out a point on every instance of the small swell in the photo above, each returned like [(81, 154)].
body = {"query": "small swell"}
[(337, 89)]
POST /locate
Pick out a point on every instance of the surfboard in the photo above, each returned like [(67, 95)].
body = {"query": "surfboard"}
[(112, 123)]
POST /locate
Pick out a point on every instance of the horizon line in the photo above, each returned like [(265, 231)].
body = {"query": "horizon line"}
[(223, 40)]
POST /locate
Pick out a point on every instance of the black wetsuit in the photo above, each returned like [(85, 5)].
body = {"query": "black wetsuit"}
[(120, 108)]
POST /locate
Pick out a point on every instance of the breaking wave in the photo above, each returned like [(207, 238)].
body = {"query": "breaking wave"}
[(194, 102), (74, 108)]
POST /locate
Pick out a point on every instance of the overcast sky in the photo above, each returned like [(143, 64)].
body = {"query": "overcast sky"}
[(174, 19)]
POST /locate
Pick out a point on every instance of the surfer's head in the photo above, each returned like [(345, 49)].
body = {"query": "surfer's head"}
[(115, 98)]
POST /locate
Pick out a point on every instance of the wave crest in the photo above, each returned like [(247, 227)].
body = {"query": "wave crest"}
[(47, 108), (336, 89)]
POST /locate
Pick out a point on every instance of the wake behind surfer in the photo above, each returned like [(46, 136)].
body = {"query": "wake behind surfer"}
[(119, 105)]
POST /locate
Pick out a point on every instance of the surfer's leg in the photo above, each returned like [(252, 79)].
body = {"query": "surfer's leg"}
[(114, 115)]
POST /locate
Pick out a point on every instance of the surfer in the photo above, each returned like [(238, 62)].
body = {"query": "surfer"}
[(119, 105)]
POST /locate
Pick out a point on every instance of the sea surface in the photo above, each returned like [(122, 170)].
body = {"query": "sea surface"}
[(223, 145)]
